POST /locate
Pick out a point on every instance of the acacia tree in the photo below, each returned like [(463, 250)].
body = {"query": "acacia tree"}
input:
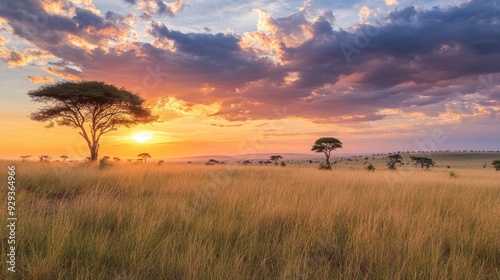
[(64, 157), (276, 159), (26, 157), (423, 161), (144, 156), (393, 159), (94, 108), (326, 145)]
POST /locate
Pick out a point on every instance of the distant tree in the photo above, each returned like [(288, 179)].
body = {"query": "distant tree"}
[(276, 159), (212, 162), (423, 161), (160, 162), (116, 159), (144, 156), (283, 164), (245, 162), (94, 108), (64, 157), (44, 158), (393, 159), (25, 158), (106, 158), (496, 164), (326, 146)]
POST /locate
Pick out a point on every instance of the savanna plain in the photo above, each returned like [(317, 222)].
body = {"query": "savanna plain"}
[(193, 221)]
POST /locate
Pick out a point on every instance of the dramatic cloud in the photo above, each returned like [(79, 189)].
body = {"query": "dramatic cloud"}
[(406, 61)]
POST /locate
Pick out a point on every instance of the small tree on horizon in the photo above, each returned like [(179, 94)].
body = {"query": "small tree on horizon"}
[(276, 159), (25, 158), (423, 161), (116, 159), (44, 158), (326, 145), (144, 156), (393, 159), (94, 108), (64, 157)]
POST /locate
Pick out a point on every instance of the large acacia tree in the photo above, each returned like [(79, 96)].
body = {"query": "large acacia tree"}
[(326, 145), (94, 108)]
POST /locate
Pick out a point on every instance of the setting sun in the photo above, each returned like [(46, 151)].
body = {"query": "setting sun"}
[(142, 137)]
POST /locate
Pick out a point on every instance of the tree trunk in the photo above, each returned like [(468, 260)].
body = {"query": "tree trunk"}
[(94, 152), (328, 161)]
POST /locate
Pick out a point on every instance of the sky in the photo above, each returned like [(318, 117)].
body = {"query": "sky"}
[(242, 77)]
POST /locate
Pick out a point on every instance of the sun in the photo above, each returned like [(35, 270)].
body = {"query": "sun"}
[(142, 136)]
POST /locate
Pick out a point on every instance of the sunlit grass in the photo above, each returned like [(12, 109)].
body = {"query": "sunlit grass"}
[(254, 222)]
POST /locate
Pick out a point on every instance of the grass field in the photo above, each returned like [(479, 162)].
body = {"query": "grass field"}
[(180, 221)]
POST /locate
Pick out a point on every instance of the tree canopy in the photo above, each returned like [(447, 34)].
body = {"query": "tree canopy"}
[(94, 108), (393, 159), (423, 161), (276, 158), (496, 164)]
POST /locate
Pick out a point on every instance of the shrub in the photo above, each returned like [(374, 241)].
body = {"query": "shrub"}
[(370, 167), (283, 164), (103, 163), (323, 166), (496, 164), (453, 175)]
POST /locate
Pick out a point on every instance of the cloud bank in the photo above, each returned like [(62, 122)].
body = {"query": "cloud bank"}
[(403, 62)]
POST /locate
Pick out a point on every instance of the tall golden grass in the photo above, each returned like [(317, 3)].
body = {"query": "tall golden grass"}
[(177, 221)]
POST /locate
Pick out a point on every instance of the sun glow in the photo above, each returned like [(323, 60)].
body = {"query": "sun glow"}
[(142, 136)]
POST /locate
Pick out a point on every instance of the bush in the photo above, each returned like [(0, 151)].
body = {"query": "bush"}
[(453, 175), (323, 166), (283, 164), (496, 165), (103, 163), (370, 167)]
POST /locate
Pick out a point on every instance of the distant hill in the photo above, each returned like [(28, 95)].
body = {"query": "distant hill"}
[(288, 156)]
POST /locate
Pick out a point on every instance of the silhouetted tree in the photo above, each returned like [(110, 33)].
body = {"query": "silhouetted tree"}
[(116, 159), (25, 158), (64, 157), (326, 145), (144, 156), (94, 108), (212, 162), (44, 158), (276, 159), (393, 159)]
